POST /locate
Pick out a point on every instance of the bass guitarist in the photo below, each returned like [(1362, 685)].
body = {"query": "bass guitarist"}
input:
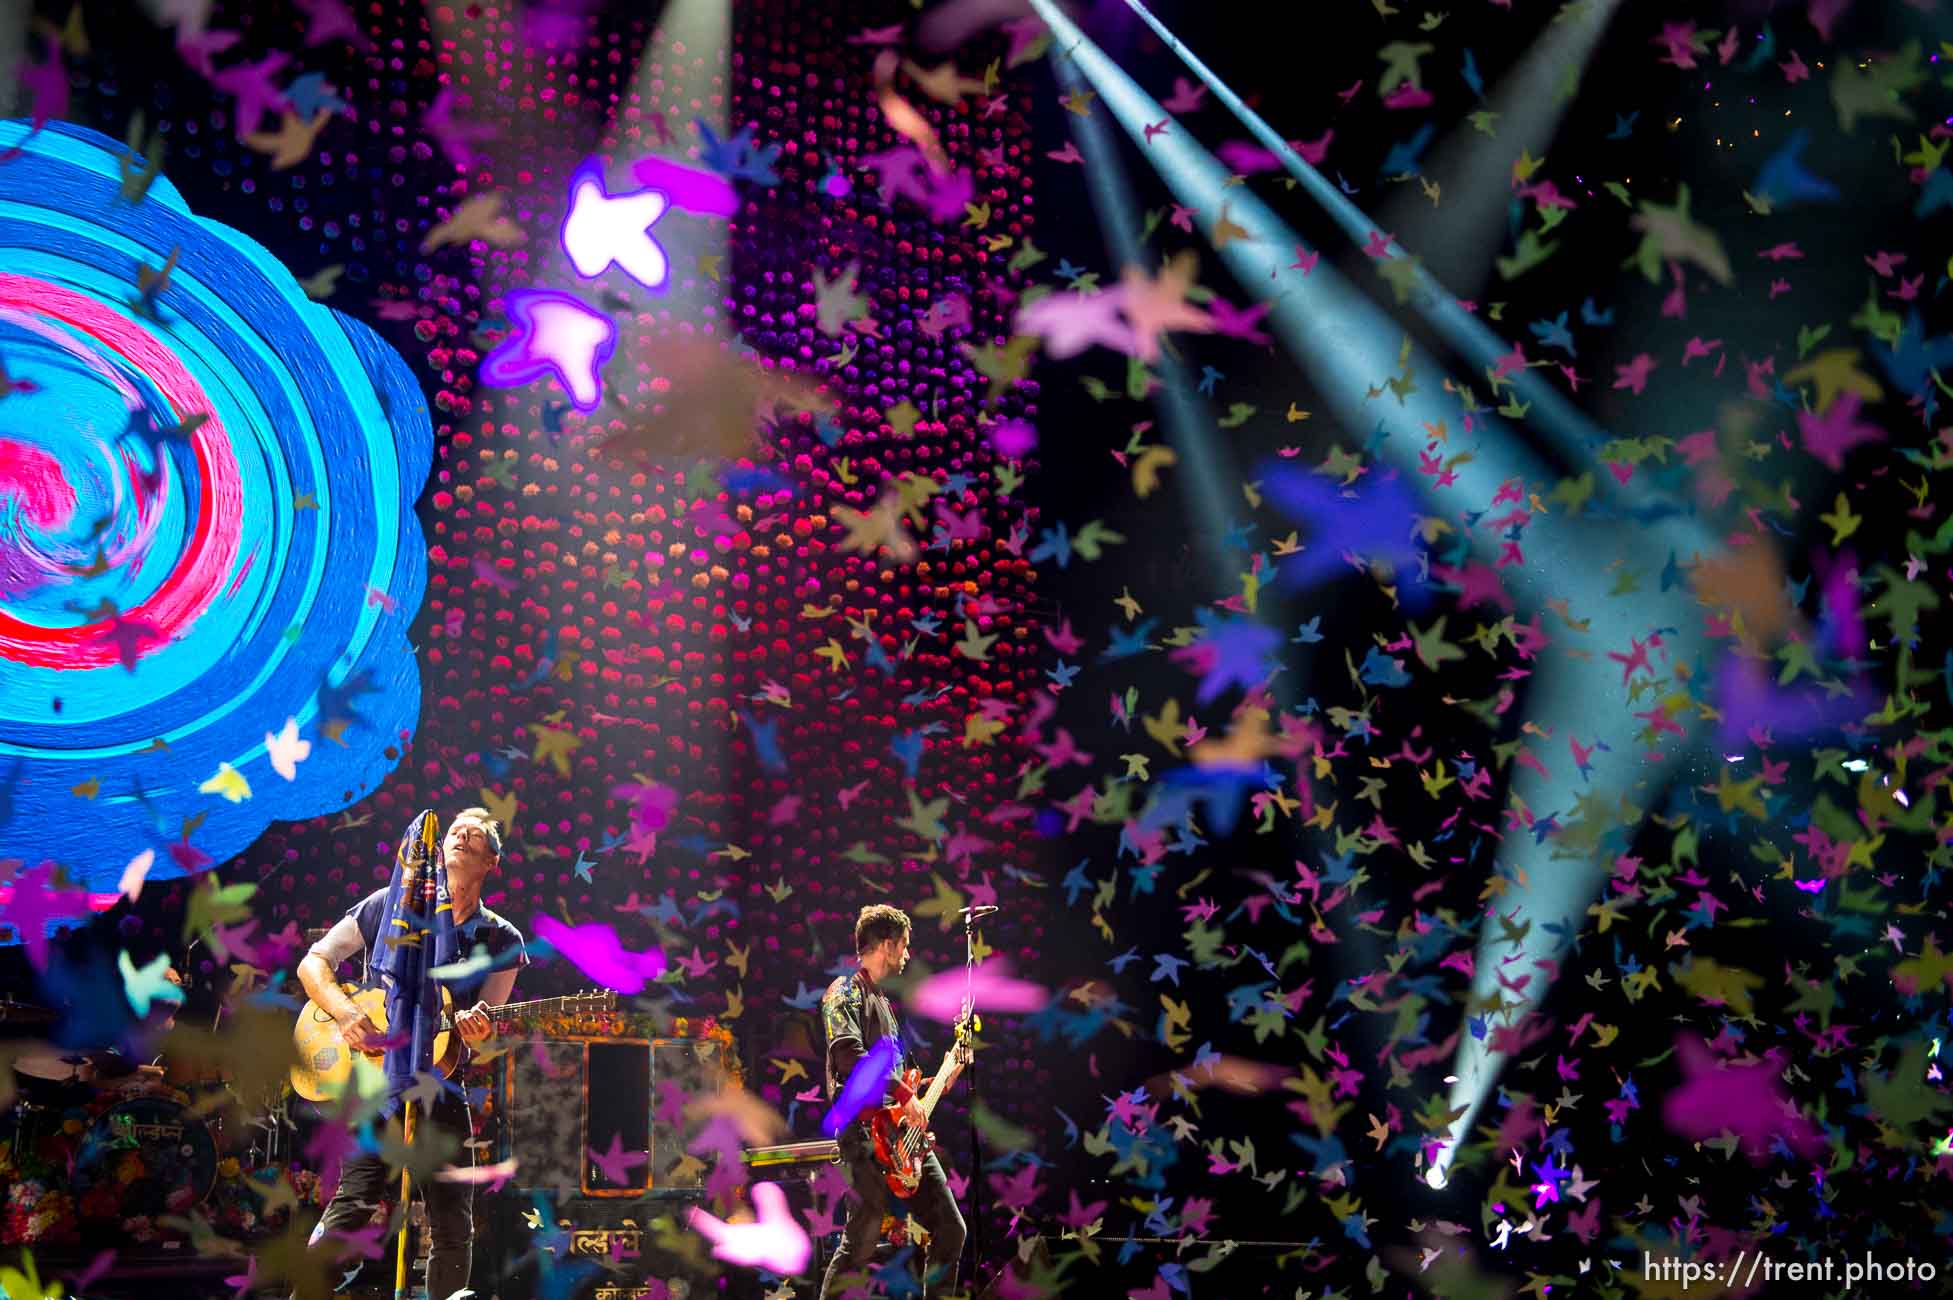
[(855, 1013), (471, 849)]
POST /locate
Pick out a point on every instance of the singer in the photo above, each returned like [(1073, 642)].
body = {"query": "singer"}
[(471, 849), (854, 1013)]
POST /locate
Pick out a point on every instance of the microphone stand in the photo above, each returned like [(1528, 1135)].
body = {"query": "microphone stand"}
[(423, 883), (410, 887), (976, 1152)]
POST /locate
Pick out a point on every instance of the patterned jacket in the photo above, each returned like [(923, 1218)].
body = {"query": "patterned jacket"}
[(854, 1015)]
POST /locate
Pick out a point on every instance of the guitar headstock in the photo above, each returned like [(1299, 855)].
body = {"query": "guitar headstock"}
[(586, 1011), (965, 1031), (590, 1002)]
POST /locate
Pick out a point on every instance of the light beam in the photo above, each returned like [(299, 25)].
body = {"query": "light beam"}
[(1347, 343), (1564, 425)]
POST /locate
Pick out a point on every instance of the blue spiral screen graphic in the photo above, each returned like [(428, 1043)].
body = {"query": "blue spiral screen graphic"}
[(209, 558)]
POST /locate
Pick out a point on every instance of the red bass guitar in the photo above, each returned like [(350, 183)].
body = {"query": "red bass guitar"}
[(900, 1148)]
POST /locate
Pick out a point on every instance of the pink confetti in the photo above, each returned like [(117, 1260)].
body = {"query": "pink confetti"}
[(596, 951), (940, 997), (490, 1176), (775, 1241), (1715, 1096)]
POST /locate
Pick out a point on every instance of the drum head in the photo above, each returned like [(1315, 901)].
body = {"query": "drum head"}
[(151, 1153)]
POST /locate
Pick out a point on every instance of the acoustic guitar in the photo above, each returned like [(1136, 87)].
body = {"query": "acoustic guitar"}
[(324, 1063), (900, 1149)]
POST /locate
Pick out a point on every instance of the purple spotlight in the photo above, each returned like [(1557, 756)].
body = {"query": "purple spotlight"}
[(555, 334)]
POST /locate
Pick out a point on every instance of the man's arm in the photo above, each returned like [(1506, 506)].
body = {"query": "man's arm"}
[(842, 1054), (318, 969), (317, 972), (495, 990), (841, 1021)]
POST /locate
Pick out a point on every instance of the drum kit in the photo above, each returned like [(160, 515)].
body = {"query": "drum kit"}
[(148, 1137)]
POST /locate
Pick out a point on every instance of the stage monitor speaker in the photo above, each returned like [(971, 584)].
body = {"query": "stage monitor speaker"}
[(682, 1070), (542, 1113), (616, 1117), (561, 1099)]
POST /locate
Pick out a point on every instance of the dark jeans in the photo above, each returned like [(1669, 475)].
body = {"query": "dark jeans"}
[(932, 1206), (366, 1181)]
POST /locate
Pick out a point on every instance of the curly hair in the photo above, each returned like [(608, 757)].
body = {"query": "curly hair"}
[(878, 922)]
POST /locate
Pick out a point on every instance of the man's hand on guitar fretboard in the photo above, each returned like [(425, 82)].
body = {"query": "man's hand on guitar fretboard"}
[(475, 1024)]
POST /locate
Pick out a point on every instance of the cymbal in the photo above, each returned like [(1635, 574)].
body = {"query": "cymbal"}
[(59, 1067), (12, 1012)]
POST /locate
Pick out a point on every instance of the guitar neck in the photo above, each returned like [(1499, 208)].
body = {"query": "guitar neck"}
[(539, 1004), (588, 1002), (937, 1086)]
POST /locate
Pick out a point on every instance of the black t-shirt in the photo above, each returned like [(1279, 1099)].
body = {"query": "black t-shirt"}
[(492, 931)]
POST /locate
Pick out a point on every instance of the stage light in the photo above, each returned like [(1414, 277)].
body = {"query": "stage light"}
[(1345, 343), (1546, 410), (1463, 228), (554, 334), (1205, 463), (602, 229), (695, 239)]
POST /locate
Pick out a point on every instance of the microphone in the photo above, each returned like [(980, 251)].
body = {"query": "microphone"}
[(974, 912)]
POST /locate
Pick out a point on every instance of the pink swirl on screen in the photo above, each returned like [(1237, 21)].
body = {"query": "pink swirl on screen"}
[(28, 474), (33, 478), (201, 570)]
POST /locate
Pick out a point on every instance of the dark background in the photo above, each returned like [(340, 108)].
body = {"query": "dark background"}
[(1289, 64)]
